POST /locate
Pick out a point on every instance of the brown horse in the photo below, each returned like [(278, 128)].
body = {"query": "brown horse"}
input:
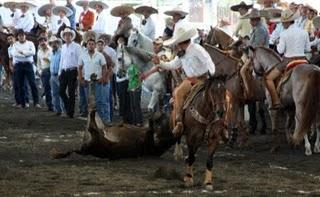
[(218, 37), (299, 96), (229, 66), (204, 121)]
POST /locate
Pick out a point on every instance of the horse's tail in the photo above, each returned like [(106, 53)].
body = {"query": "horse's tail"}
[(311, 106), (56, 153)]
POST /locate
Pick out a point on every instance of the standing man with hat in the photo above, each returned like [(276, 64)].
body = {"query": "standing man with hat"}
[(15, 13), (196, 63), (100, 27), (26, 20), (50, 20), (22, 53), (178, 16), (63, 13), (55, 43), (243, 27), (86, 19), (125, 23), (68, 70), (147, 26), (293, 44), (72, 17)]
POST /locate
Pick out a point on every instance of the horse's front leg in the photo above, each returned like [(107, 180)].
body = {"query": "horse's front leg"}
[(307, 146), (188, 178), (208, 177), (154, 100), (317, 144)]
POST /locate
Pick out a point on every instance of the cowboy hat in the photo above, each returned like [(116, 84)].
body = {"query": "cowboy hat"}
[(181, 35), (262, 1), (81, 2), (242, 4), (93, 4), (149, 9), (54, 39), (316, 22), (42, 9), (57, 9), (311, 9), (288, 16), (254, 13), (68, 30), (271, 12), (176, 11), (27, 4), (122, 10), (9, 4)]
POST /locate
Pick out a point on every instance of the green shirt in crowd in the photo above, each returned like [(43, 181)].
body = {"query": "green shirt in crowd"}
[(133, 76)]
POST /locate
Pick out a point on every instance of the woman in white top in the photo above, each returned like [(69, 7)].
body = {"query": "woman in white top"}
[(63, 13)]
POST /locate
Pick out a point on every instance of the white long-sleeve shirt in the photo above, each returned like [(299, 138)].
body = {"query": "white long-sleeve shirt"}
[(14, 17), (195, 62), (148, 29), (43, 59), (100, 26), (294, 42), (70, 55), (23, 52), (276, 33), (60, 21), (52, 24), (25, 22)]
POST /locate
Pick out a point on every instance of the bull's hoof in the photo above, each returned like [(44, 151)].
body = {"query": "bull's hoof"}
[(209, 186), (188, 181)]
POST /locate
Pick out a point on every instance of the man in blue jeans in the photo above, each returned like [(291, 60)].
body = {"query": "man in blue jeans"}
[(93, 63), (55, 44), (22, 53)]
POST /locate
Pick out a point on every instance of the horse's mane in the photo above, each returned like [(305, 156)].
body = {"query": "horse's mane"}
[(270, 51)]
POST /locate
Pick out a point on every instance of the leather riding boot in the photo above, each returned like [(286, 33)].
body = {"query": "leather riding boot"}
[(273, 93), (178, 129)]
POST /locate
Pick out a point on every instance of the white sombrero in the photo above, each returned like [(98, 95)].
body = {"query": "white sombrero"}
[(27, 4), (288, 16), (122, 10), (181, 35), (81, 2), (149, 9), (55, 39), (68, 30), (176, 11), (57, 9), (93, 4), (42, 9), (9, 4)]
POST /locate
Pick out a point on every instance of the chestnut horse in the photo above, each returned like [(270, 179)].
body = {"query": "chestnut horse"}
[(203, 120), (218, 37)]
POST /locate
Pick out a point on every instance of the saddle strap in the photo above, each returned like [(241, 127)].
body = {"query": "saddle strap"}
[(197, 116)]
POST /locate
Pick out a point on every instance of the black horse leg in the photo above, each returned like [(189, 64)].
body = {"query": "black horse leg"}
[(188, 179)]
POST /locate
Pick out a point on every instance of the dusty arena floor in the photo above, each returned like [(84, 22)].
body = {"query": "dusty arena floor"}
[(26, 168)]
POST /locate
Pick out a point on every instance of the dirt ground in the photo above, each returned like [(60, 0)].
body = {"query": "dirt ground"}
[(26, 137)]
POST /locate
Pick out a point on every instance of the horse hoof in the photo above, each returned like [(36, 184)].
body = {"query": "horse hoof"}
[(209, 186), (308, 152), (316, 149), (188, 181)]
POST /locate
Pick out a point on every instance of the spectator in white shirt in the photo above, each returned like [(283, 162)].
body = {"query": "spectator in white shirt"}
[(101, 21), (43, 66), (68, 70), (51, 21), (15, 13), (22, 54), (63, 13), (26, 20), (147, 26), (179, 19)]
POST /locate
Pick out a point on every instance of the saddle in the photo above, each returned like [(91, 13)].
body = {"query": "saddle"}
[(195, 90), (284, 78)]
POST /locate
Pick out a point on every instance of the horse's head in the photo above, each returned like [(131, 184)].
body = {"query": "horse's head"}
[(216, 95), (133, 39), (218, 37), (211, 37)]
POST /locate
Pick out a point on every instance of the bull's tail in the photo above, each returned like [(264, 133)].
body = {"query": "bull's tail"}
[(56, 153), (311, 105)]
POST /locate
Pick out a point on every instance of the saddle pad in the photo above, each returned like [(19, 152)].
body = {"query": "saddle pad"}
[(295, 63), (195, 90), (284, 78)]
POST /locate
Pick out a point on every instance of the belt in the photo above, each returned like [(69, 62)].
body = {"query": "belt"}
[(24, 63), (70, 69)]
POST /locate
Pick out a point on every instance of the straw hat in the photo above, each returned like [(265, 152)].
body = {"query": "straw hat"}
[(288, 16), (42, 9), (149, 9), (57, 9), (176, 11), (271, 12), (89, 35), (118, 11), (93, 4), (262, 1), (68, 30), (81, 2), (255, 13), (27, 4), (181, 35), (316, 22), (242, 4), (311, 9), (9, 4), (55, 39)]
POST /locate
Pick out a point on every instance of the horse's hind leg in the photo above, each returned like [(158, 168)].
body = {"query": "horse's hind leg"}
[(188, 178), (317, 144), (307, 146)]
